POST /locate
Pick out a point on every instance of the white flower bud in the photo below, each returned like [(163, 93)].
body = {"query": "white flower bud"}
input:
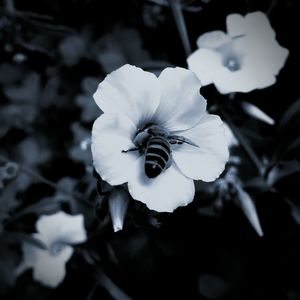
[(118, 203)]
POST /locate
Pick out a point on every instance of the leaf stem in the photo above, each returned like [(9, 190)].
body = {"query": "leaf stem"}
[(103, 279), (181, 27), (9, 6), (46, 181), (245, 145)]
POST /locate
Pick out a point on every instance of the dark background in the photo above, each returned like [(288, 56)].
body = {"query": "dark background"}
[(53, 55)]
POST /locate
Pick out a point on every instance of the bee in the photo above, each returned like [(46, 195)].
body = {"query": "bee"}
[(156, 144)]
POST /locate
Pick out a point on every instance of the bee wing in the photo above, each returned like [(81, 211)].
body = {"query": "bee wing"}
[(177, 139)]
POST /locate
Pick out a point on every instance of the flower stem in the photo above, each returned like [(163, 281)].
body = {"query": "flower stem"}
[(181, 27), (103, 279), (44, 180), (9, 6), (245, 145), (273, 3)]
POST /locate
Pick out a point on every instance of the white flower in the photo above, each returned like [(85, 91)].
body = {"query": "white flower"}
[(58, 232), (248, 57), (131, 100)]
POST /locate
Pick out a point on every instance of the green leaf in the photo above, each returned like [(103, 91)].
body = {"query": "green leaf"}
[(295, 211), (33, 151), (282, 170), (255, 112), (43, 24), (8, 202), (294, 146), (72, 49), (89, 85), (245, 202), (9, 73), (121, 46), (290, 115), (7, 277), (23, 237), (212, 287), (45, 206), (27, 92)]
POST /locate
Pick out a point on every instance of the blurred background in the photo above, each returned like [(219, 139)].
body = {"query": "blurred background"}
[(53, 56)]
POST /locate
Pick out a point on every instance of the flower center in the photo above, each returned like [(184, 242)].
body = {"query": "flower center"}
[(232, 63), (153, 141), (145, 132), (231, 54), (56, 248)]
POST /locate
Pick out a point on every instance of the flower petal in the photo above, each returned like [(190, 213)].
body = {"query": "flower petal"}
[(204, 63), (131, 91), (110, 135), (257, 23), (246, 79), (181, 104), (51, 270), (251, 42), (163, 193), (61, 227), (235, 24), (212, 39), (208, 161), (265, 55)]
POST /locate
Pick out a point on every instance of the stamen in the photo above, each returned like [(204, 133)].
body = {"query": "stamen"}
[(56, 248), (232, 64)]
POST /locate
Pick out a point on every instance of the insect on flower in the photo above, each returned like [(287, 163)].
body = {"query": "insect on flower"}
[(156, 136), (155, 143)]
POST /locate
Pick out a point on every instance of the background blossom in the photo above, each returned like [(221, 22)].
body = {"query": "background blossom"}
[(57, 232), (245, 58)]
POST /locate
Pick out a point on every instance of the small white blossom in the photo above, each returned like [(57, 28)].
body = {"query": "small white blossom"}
[(131, 100), (57, 232), (245, 58)]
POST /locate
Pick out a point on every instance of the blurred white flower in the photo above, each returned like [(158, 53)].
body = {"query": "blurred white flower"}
[(118, 203), (134, 102), (248, 57), (57, 232)]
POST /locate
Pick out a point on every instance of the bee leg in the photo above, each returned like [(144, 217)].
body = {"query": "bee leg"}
[(173, 142), (132, 149)]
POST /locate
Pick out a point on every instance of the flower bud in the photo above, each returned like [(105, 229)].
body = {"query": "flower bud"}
[(257, 113), (118, 203)]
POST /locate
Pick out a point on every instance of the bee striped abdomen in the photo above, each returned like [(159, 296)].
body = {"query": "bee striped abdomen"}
[(157, 156)]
